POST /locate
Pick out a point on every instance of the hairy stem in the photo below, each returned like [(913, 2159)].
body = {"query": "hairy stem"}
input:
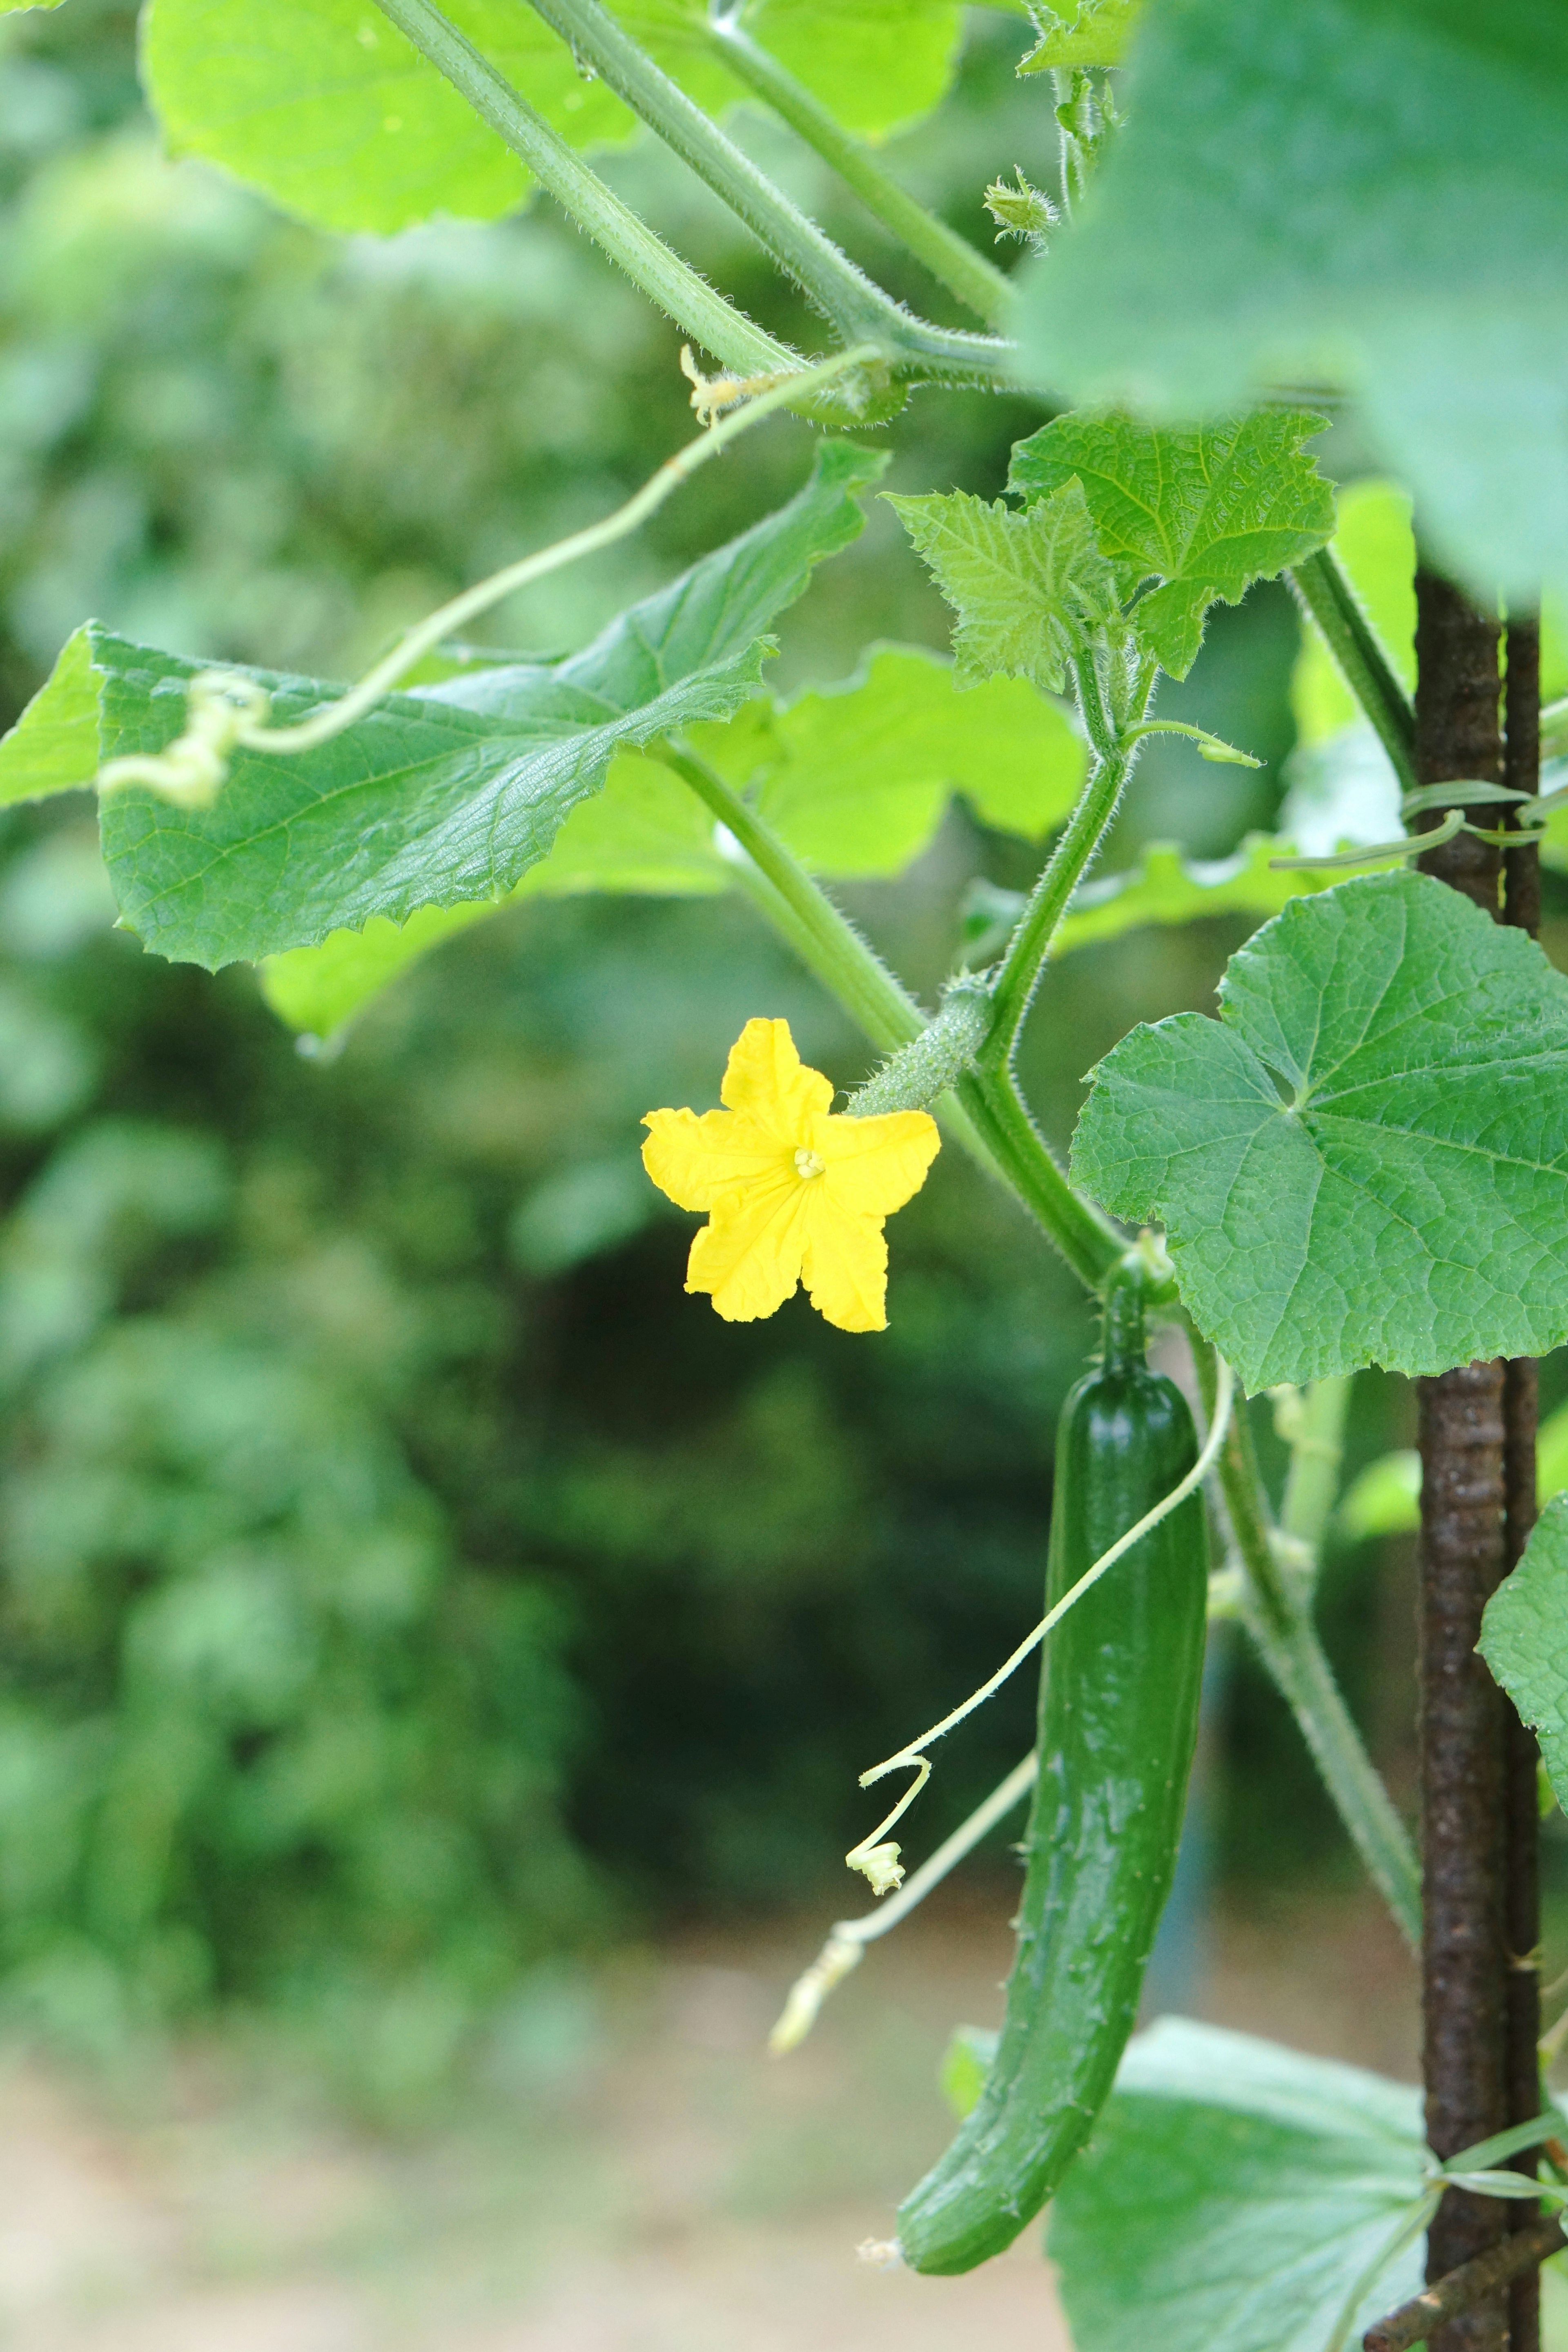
[(678, 290), (1048, 902), (857, 308), (1279, 1618), (986, 1116), (952, 260), (1324, 592)]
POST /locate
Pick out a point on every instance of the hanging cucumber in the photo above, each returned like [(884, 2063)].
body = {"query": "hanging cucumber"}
[(1119, 1719)]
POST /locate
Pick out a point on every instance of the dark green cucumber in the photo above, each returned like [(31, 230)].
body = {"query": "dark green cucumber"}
[(1119, 1716)]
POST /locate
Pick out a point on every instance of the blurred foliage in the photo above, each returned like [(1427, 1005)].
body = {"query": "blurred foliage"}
[(399, 1575)]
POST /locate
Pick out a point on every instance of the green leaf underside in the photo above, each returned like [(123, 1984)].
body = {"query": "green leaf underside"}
[(1204, 511), (53, 747), (854, 778), (1238, 2190), (450, 794), (1524, 1639), (1365, 1160), (1269, 216), (1028, 588), (327, 109), (1094, 33)]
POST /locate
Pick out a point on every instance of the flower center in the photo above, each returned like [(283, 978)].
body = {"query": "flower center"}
[(809, 1163)]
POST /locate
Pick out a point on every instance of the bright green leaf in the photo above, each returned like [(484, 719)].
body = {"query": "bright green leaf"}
[(1524, 1639), (1026, 588), (448, 795), (331, 111), (877, 65), (1237, 2190), (1095, 32), (318, 990), (856, 777), (1328, 191), (1377, 549), (53, 747), (1365, 1160), (1205, 512), (966, 2061)]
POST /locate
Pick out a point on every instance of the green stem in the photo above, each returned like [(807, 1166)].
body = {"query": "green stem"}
[(1327, 594), (952, 260), (985, 1115), (1314, 1428), (678, 290), (1279, 1621), (1048, 902), (858, 309)]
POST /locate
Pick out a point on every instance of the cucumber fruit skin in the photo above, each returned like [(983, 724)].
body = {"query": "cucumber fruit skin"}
[(1119, 1691)]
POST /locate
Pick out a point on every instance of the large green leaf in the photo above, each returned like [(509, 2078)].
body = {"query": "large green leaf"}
[(1376, 193), (331, 111), (854, 777), (452, 793), (877, 65), (53, 747), (1028, 588), (1205, 512), (1365, 1160), (1524, 1639), (1231, 2196)]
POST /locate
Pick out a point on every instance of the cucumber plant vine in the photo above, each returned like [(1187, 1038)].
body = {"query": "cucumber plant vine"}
[(1364, 1161)]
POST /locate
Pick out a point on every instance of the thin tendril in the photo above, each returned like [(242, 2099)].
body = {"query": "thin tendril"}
[(879, 1861)]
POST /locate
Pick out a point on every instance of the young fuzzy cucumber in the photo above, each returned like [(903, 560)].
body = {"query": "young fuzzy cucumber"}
[(1119, 1719)]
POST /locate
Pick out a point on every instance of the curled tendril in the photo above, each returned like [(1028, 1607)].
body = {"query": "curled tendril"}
[(223, 709)]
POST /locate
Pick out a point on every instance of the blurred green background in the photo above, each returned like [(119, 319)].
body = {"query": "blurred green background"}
[(401, 1579)]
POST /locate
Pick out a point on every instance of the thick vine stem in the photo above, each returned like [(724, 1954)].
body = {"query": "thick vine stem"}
[(952, 260), (1278, 1619), (985, 1115), (857, 307), (1326, 594), (673, 284)]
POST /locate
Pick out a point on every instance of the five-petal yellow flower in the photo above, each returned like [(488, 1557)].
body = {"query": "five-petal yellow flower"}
[(793, 1192)]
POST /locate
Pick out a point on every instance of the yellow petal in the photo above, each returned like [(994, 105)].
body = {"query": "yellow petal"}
[(845, 1265), (767, 1079), (700, 1162), (875, 1165), (747, 1257)]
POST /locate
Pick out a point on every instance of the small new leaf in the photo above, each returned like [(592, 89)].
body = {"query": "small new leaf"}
[(1021, 211), (1524, 1639), (1205, 510), (1029, 589), (1365, 1159), (1095, 32)]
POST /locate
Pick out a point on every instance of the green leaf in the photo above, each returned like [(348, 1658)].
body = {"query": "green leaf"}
[(877, 65), (1524, 1639), (53, 747), (1205, 512), (1095, 32), (856, 777), (327, 109), (1271, 215), (1237, 2190), (1028, 588), (450, 794), (644, 834), (1365, 1160)]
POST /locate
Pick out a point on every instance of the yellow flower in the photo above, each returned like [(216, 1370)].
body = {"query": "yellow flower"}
[(791, 1191)]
